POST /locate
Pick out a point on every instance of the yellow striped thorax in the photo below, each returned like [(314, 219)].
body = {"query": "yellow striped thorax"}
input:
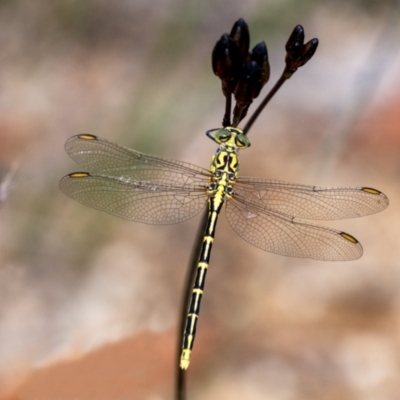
[(225, 163)]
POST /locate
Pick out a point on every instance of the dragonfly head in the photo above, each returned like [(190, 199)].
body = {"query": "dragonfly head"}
[(230, 136)]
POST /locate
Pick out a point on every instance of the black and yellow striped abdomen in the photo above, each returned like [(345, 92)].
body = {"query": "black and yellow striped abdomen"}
[(214, 206)]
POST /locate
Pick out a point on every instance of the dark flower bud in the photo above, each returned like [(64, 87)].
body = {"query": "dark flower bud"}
[(241, 36), (294, 52), (225, 58), (297, 36), (226, 63), (308, 51), (249, 85), (259, 54)]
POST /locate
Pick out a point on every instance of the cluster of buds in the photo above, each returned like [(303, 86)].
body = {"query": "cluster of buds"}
[(242, 73), (298, 53)]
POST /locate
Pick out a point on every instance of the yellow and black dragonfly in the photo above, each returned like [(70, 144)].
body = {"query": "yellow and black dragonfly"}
[(154, 190)]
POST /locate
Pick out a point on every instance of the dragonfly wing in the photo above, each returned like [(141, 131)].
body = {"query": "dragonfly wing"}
[(101, 157), (279, 234), (137, 201), (312, 202)]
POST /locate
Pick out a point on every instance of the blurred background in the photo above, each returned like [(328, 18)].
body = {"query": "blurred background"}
[(89, 303)]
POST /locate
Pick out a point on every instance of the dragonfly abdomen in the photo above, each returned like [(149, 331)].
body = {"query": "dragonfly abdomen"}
[(215, 203)]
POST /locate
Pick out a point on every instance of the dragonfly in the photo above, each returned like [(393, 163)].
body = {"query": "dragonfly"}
[(269, 214)]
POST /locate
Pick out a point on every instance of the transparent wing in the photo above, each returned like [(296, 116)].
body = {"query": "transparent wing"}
[(312, 202), (149, 203), (133, 185), (101, 157), (277, 233)]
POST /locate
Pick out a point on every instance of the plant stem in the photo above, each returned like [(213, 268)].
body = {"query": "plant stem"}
[(266, 100)]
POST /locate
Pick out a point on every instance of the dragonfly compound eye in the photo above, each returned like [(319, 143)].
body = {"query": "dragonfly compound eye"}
[(242, 141), (222, 136)]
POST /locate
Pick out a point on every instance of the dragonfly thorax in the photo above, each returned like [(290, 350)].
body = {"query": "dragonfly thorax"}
[(225, 163)]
